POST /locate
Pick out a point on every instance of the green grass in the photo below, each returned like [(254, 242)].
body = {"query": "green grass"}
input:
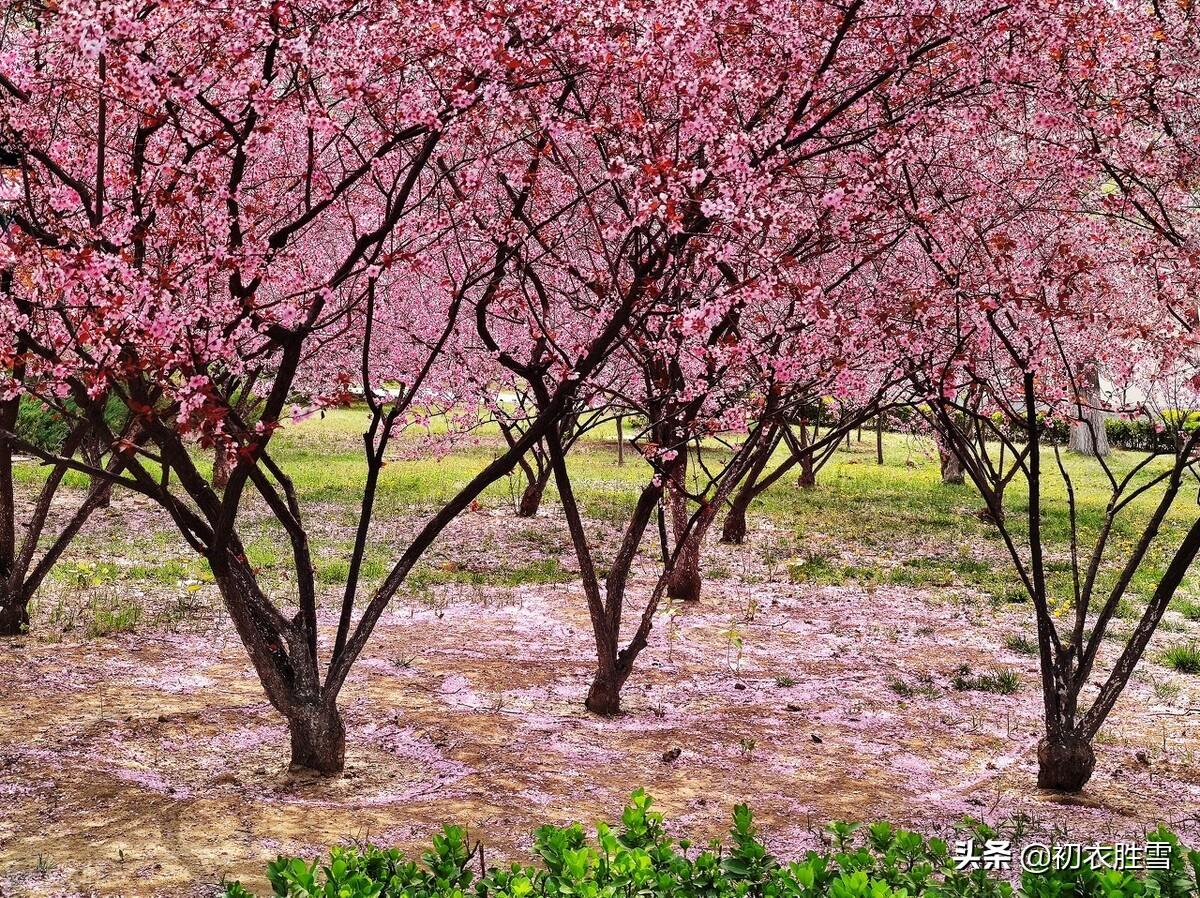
[(923, 687), (337, 571), (108, 618), (1183, 658), (1021, 644), (894, 524), (999, 680), (1189, 608)]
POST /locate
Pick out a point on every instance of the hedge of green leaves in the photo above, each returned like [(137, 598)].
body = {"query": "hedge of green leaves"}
[(1145, 436), (47, 429), (639, 860)]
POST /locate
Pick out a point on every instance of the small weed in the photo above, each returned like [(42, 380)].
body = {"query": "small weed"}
[(734, 646), (1190, 609), (784, 681), (111, 617), (924, 686), (1001, 681), (1016, 595), (1184, 658), (1165, 691), (1021, 644)]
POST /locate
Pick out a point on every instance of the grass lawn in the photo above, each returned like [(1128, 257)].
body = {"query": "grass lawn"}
[(894, 523)]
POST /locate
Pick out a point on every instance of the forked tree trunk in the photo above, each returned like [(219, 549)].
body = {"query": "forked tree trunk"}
[(733, 531), (531, 499), (285, 660), (93, 453), (1065, 764), (318, 738), (14, 612), (685, 581)]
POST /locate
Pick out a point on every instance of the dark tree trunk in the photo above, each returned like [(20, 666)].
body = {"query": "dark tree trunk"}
[(620, 440), (318, 739), (685, 580), (14, 613), (879, 439), (531, 499), (604, 697), (808, 473), (733, 531), (1065, 764)]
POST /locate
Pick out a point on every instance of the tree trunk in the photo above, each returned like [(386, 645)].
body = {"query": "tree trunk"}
[(531, 499), (1065, 764), (1081, 435), (1088, 437), (93, 453), (221, 470), (318, 739), (952, 468), (620, 440), (604, 697), (1081, 440), (683, 583), (733, 531), (808, 473), (879, 439), (14, 613)]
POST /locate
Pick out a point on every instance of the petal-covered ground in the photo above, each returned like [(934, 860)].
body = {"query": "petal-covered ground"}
[(151, 763)]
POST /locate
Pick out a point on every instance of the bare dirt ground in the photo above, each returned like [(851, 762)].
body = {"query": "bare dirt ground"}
[(149, 763)]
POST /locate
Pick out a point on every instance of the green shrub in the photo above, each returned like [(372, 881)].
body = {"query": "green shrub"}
[(1144, 435), (639, 860)]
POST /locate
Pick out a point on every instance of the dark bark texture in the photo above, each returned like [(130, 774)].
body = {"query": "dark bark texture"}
[(1065, 764), (318, 738)]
